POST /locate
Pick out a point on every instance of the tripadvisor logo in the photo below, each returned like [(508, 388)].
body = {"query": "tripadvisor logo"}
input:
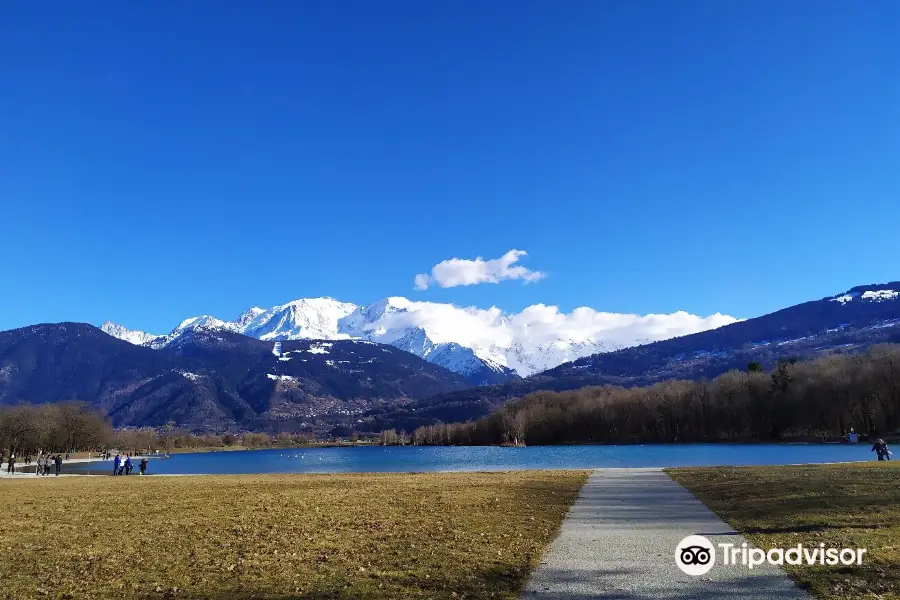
[(696, 555)]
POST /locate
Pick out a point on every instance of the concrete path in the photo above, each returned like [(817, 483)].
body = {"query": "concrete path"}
[(619, 539)]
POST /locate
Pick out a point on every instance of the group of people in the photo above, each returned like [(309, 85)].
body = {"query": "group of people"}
[(49, 464), (46, 464), (125, 466)]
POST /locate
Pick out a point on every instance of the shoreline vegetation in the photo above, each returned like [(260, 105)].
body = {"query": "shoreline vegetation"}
[(819, 400), (844, 506), (308, 537), (77, 429)]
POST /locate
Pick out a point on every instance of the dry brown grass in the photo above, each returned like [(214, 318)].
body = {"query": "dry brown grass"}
[(855, 506), (305, 537)]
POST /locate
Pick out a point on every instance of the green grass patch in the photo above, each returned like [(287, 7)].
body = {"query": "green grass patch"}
[(304, 537), (856, 506)]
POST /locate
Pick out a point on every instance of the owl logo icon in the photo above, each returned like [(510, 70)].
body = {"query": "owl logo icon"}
[(695, 555)]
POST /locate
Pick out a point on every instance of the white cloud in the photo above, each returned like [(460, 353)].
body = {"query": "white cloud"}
[(462, 271), (540, 336)]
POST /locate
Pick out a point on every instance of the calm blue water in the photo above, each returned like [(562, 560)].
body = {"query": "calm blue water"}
[(489, 458)]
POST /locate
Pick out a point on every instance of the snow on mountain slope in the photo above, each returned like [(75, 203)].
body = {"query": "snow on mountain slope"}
[(139, 338), (534, 359), (307, 318), (376, 320), (453, 357), (485, 345), (867, 296), (880, 295)]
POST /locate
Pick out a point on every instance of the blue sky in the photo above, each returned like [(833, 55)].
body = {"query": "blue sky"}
[(165, 159)]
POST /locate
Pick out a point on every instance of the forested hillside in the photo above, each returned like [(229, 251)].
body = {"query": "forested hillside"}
[(213, 380), (819, 399)]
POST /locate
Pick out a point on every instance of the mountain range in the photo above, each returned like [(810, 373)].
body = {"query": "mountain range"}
[(321, 364), (214, 379), (485, 346)]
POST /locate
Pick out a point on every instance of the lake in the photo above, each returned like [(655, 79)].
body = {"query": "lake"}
[(491, 458)]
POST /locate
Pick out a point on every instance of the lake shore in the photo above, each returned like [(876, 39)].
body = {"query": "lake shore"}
[(890, 439), (407, 459), (31, 469), (440, 459)]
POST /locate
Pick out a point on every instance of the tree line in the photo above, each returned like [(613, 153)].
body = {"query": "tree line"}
[(814, 400), (63, 427), (169, 438), (69, 427)]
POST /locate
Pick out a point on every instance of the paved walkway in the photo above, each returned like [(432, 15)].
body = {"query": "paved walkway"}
[(618, 542)]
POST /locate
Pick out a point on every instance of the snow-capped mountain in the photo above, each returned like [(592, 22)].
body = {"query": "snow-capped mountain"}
[(449, 355), (487, 346), (534, 359), (138, 338), (215, 379), (329, 319), (314, 318)]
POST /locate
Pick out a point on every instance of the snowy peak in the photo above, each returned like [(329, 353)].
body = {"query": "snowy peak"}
[(483, 344), (371, 320), (248, 315), (453, 357), (524, 358), (139, 338), (203, 321), (307, 318)]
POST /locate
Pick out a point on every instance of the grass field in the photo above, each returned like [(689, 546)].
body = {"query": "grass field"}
[(855, 506), (304, 537)]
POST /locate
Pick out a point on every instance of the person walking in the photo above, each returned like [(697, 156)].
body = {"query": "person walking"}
[(11, 466), (881, 448), (117, 463), (40, 465), (143, 466), (58, 463), (128, 465)]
